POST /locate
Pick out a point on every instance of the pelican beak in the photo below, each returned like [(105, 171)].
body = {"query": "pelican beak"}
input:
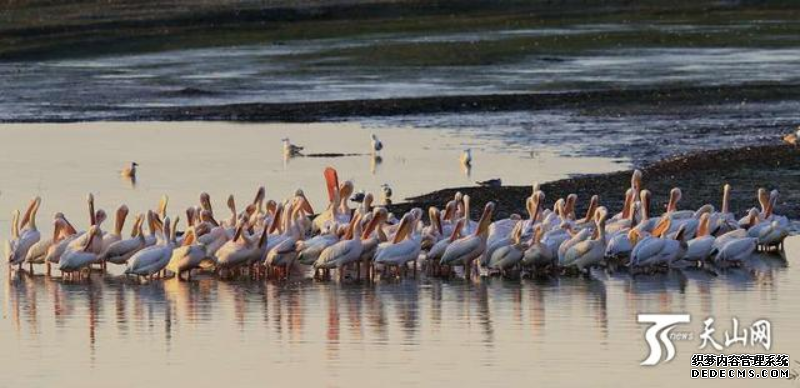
[(332, 182), (305, 205)]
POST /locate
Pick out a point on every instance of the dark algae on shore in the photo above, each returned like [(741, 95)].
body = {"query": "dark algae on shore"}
[(700, 176)]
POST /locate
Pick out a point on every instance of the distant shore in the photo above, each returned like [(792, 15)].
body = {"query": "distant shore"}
[(700, 176)]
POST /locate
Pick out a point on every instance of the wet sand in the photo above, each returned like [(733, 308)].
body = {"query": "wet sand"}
[(700, 176)]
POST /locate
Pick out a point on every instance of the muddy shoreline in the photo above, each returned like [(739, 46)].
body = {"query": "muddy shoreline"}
[(595, 102), (700, 176)]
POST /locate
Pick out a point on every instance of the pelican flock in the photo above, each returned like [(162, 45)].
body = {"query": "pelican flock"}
[(277, 238)]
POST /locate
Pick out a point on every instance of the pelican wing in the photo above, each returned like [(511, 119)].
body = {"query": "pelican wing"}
[(647, 250), (333, 255), (463, 250), (399, 253)]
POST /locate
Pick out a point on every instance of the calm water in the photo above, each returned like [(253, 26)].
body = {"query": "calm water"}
[(110, 332), (573, 331)]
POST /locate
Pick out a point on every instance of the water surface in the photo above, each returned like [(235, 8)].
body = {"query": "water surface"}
[(108, 331)]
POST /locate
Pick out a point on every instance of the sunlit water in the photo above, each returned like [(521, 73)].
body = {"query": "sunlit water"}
[(565, 331), (108, 331)]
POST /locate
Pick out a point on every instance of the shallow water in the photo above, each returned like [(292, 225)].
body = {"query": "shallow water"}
[(108, 331), (565, 331), (62, 162)]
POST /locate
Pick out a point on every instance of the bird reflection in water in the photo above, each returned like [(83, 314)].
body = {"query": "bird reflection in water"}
[(406, 311), (375, 162), (129, 180)]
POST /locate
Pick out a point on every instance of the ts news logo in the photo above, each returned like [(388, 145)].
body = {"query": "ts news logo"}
[(658, 335)]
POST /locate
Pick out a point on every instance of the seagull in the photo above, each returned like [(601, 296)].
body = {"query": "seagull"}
[(496, 182), (387, 193), (376, 144), (290, 149), (358, 197), (466, 157), (130, 171)]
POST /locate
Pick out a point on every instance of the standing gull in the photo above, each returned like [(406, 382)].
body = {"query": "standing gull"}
[(290, 149), (377, 146)]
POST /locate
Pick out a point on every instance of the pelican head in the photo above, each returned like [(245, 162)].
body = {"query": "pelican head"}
[(636, 179)]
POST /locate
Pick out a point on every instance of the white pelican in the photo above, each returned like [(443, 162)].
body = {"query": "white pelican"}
[(588, 219), (700, 247), (587, 253), (570, 241), (237, 251), (503, 236), (466, 249), (372, 236), (65, 238), (763, 199), (723, 221), (736, 250), (96, 218), (74, 260), (404, 248), (116, 235), (283, 254), (654, 251), (434, 255), (347, 250), (510, 255), (38, 252), (121, 251), (11, 245), (538, 255), (337, 211), (675, 196), (28, 234), (309, 250), (190, 255), (153, 259), (772, 235)]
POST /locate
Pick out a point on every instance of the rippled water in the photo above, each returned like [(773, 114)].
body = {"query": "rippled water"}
[(112, 86), (108, 331), (494, 332), (641, 136)]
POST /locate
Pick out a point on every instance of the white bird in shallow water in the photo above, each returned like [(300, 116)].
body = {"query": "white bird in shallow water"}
[(404, 247), (151, 260), (377, 145), (119, 252), (290, 149), (466, 249), (466, 157), (130, 171), (27, 234), (75, 260)]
